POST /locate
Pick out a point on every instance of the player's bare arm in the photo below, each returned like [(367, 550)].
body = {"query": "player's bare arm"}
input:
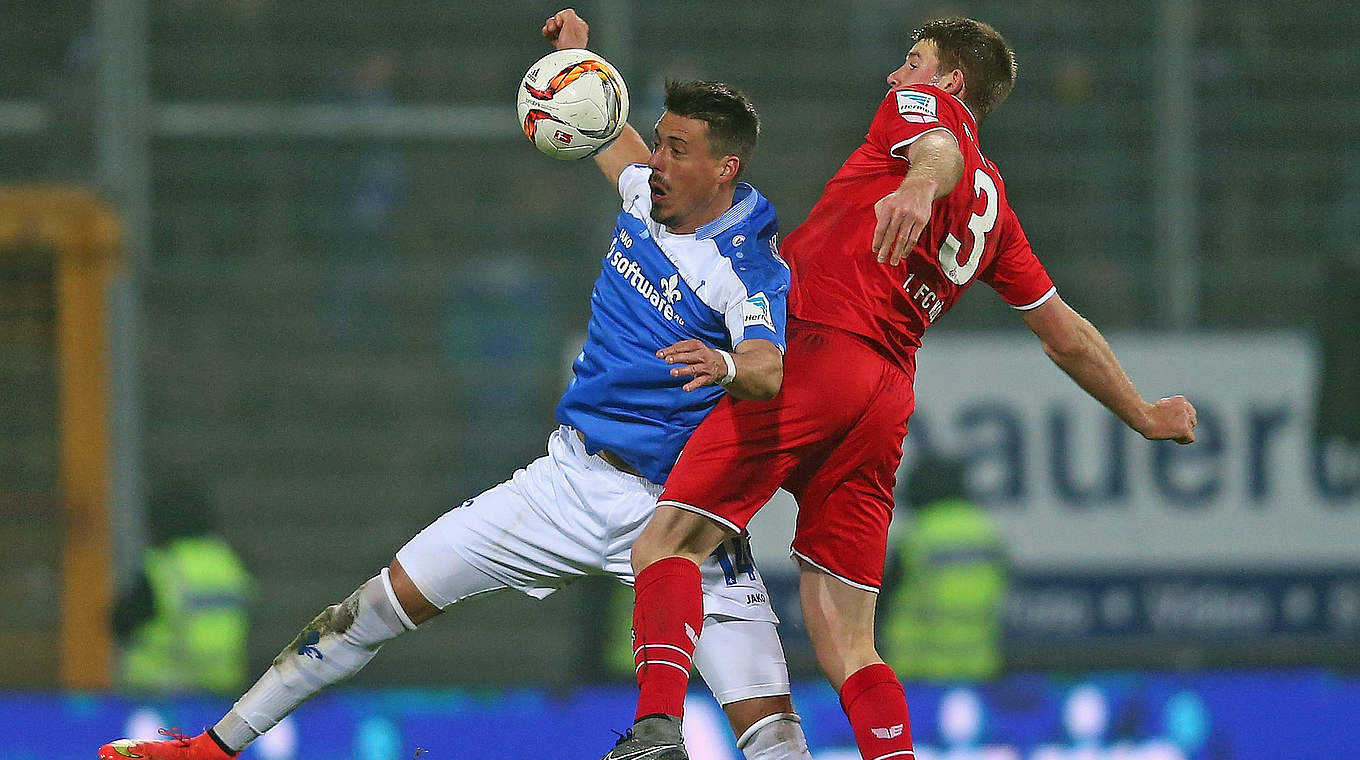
[(1075, 345), (756, 372), (936, 166), (566, 29), (628, 148)]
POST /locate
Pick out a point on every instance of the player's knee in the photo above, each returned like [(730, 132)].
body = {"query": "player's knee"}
[(411, 603), (676, 533), (656, 541), (841, 645), (831, 630)]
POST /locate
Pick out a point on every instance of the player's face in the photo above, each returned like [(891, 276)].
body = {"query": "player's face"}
[(687, 182), (921, 67)]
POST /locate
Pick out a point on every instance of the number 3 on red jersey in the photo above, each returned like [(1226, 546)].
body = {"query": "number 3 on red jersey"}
[(979, 225)]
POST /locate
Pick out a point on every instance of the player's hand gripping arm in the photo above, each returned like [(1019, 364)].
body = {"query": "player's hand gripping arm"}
[(1075, 345), (936, 166), (758, 365), (565, 29)]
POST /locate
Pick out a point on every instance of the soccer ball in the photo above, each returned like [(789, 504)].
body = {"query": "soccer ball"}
[(571, 102)]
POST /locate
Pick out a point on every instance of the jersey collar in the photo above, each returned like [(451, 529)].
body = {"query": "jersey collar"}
[(739, 211)]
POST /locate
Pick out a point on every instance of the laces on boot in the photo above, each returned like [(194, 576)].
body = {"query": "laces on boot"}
[(175, 735)]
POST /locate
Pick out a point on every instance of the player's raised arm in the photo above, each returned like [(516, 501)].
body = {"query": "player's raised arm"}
[(626, 149), (566, 29), (1075, 345), (936, 166)]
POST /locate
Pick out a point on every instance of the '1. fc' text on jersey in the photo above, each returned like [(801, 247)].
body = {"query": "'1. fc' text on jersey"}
[(973, 234), (722, 284)]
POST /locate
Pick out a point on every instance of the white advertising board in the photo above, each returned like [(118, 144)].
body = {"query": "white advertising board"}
[(1075, 489)]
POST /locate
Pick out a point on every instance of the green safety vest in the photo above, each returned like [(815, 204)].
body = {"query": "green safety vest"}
[(944, 619), (197, 637)]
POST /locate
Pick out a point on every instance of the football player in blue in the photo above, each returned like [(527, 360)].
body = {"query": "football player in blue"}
[(689, 305)]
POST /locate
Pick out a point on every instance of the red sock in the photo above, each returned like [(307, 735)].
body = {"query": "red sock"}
[(874, 702), (667, 617)]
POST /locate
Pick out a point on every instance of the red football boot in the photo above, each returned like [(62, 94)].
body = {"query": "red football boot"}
[(177, 747)]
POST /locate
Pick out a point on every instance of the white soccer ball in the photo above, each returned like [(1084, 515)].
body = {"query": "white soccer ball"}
[(571, 102)]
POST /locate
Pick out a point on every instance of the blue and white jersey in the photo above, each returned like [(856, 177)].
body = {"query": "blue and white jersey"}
[(723, 284)]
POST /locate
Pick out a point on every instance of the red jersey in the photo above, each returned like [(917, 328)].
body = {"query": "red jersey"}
[(973, 234)]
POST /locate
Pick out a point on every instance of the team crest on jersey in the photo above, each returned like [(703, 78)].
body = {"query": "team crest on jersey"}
[(756, 311), (670, 288), (916, 107)]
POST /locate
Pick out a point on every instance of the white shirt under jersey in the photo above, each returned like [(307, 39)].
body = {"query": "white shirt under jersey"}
[(722, 284)]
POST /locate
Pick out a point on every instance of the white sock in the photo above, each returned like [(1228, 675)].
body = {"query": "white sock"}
[(775, 737), (333, 647)]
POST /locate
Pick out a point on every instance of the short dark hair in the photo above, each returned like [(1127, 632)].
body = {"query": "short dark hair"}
[(980, 52), (733, 125)]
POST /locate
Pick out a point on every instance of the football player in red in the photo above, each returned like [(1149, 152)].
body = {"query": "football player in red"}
[(915, 215)]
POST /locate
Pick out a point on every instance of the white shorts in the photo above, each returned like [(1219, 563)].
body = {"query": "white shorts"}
[(571, 514)]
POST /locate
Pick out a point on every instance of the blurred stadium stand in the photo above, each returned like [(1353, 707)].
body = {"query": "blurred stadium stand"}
[(346, 333)]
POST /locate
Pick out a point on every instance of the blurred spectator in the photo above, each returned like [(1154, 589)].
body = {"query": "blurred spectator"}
[(946, 581), (183, 622)]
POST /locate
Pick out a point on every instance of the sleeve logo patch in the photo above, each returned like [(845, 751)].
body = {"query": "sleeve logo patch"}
[(756, 311), (916, 107)]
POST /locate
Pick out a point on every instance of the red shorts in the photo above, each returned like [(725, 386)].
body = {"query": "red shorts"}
[(832, 437)]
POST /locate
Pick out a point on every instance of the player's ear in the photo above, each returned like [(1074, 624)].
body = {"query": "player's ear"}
[(952, 83), (730, 166)]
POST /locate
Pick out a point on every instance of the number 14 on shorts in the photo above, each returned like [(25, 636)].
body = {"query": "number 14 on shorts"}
[(734, 557)]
